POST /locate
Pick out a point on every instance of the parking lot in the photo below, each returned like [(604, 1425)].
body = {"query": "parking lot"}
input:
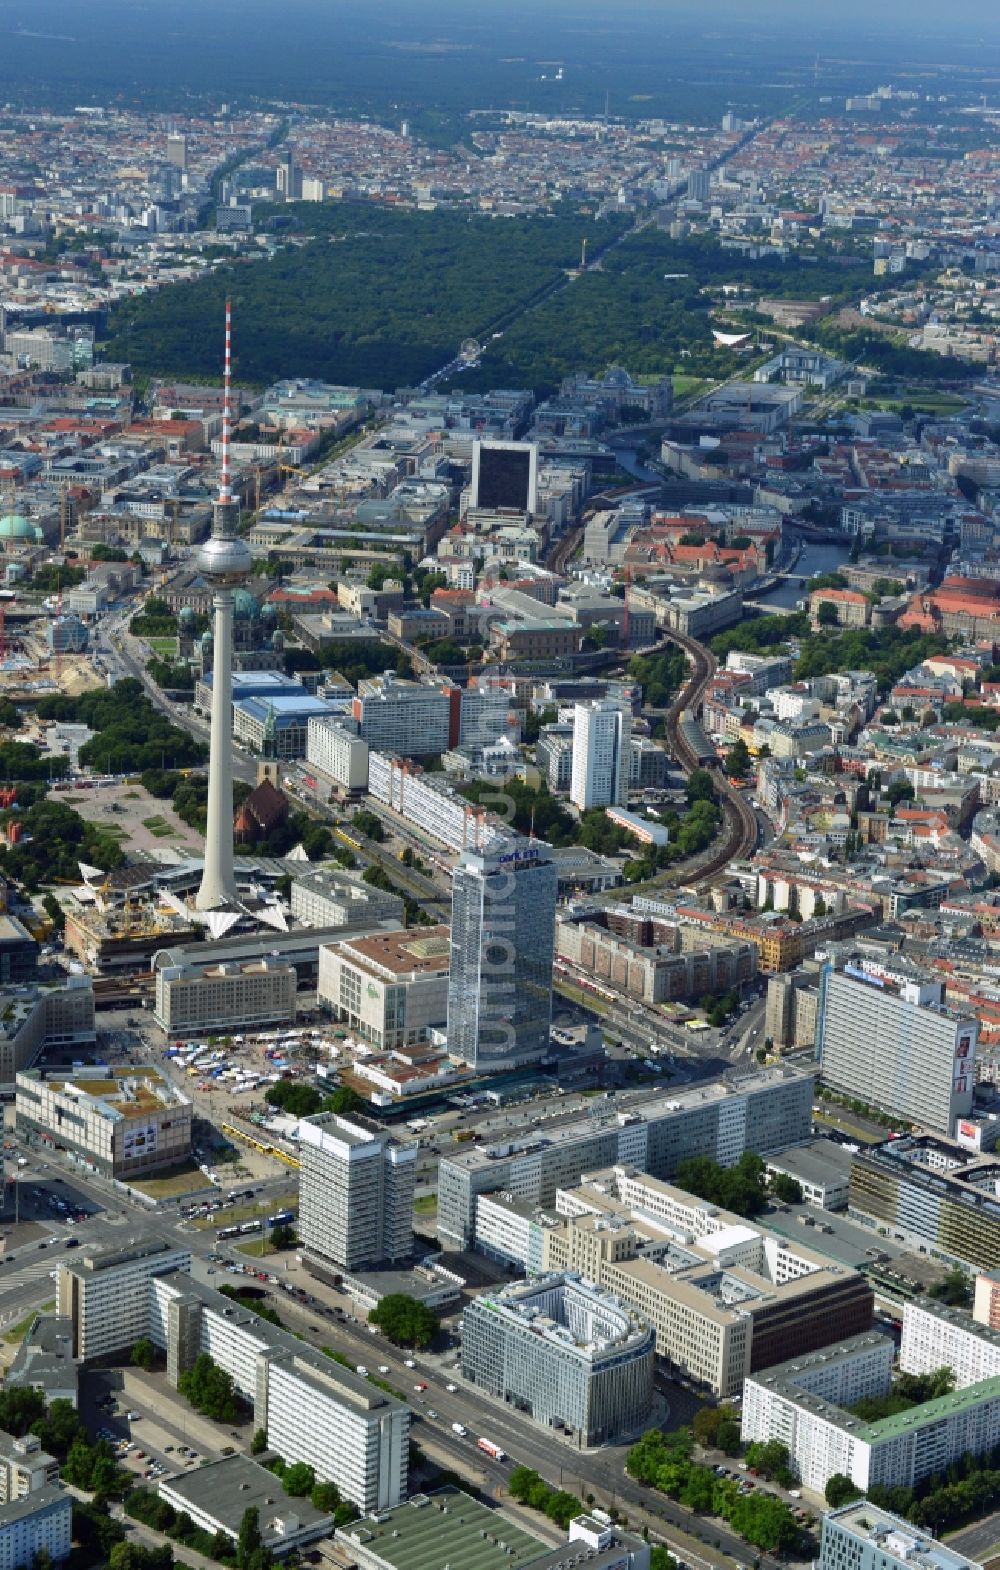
[(153, 1430)]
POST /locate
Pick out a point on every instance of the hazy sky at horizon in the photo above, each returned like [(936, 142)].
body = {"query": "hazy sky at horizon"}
[(684, 55)]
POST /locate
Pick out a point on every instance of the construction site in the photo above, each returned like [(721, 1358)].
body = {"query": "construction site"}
[(42, 644)]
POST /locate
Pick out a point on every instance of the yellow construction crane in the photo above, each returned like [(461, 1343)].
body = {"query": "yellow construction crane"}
[(283, 467)]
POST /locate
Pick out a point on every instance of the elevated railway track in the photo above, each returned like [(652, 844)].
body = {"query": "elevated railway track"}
[(740, 828)]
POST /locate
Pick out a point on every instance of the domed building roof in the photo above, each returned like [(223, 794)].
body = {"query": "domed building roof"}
[(186, 614), (206, 640), (245, 606), (15, 526), (269, 612)]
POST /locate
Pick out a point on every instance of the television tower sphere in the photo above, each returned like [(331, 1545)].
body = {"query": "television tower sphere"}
[(224, 558)]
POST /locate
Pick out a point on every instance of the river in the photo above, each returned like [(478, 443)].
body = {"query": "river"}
[(628, 459), (815, 557)]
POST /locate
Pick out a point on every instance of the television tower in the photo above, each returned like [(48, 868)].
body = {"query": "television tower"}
[(225, 561)]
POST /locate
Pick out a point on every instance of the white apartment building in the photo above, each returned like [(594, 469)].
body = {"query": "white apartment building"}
[(25, 1467), (338, 753), (355, 1192), (429, 803), (924, 1066), (803, 1403), (602, 732), (312, 1409), (231, 995), (935, 1336), (410, 718), (107, 1295), (40, 1523), (391, 988), (313, 1417), (511, 1231)]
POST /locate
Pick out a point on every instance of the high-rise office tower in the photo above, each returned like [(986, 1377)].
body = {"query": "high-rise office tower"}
[(503, 911), (225, 561), (355, 1192), (177, 150), (602, 735), (288, 177), (886, 1038)]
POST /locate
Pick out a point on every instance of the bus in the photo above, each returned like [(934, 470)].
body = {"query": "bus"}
[(492, 1449)]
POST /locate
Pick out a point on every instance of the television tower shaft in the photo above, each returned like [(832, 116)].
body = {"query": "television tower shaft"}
[(225, 561)]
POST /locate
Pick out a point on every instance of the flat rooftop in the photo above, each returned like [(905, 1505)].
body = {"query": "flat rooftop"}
[(44, 1498), (225, 1488), (818, 1161), (447, 1527), (623, 1110), (12, 930), (44, 1360), (154, 1250), (423, 952), (890, 1534), (122, 1091)]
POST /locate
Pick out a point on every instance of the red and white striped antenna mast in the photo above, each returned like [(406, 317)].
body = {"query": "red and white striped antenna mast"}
[(225, 481)]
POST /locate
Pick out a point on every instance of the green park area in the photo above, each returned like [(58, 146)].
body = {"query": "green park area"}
[(383, 297)]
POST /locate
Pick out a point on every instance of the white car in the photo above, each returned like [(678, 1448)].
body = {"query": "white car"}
[(451, 1389), (409, 1363), (383, 1368), (362, 1370)]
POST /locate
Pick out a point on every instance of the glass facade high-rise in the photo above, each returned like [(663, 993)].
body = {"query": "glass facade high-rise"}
[(503, 916)]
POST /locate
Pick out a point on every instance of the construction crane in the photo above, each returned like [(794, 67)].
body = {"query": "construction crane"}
[(283, 467)]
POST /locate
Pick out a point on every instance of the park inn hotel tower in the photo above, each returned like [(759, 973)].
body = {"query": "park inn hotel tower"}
[(503, 915)]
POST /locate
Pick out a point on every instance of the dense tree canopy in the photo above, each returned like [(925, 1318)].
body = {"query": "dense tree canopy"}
[(55, 839), (528, 1488), (405, 1320), (132, 734), (210, 1390), (661, 675), (663, 1461), (888, 653), (378, 296), (302, 1100), (739, 1188)]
